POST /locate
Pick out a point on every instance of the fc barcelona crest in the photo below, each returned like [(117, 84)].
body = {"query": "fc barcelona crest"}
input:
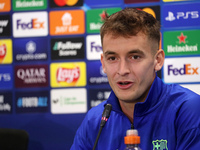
[(160, 145)]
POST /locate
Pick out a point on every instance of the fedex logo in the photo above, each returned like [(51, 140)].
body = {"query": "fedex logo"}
[(185, 70), (36, 23), (182, 70), (95, 47), (33, 24)]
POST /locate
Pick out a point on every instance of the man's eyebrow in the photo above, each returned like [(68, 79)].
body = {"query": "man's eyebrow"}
[(136, 51), (109, 53)]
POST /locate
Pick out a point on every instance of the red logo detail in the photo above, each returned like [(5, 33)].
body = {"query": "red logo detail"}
[(68, 75), (2, 52), (103, 15), (104, 118), (65, 2), (182, 38)]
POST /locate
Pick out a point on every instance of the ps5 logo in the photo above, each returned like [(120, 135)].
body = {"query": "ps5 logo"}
[(182, 15)]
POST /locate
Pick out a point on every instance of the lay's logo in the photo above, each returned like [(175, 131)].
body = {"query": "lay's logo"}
[(182, 70), (30, 24), (68, 74), (5, 51)]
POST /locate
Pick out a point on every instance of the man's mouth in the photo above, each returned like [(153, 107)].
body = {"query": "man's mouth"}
[(124, 83)]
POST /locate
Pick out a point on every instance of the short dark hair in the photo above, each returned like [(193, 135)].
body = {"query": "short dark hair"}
[(130, 21)]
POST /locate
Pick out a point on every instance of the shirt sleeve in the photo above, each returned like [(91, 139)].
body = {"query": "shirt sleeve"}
[(188, 125), (81, 139), (190, 140), (87, 132)]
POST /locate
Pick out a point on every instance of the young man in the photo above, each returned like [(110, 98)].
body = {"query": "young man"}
[(166, 116)]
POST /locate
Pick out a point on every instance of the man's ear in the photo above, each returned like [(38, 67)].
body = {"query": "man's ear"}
[(159, 59), (102, 63)]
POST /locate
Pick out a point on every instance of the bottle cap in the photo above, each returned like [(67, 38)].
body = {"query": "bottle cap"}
[(131, 132), (132, 137)]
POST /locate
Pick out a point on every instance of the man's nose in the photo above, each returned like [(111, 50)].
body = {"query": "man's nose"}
[(123, 68)]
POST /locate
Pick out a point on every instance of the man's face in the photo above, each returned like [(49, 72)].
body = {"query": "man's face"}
[(129, 65)]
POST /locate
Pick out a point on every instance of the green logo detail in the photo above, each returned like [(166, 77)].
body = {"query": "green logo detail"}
[(21, 5), (160, 145), (95, 18), (182, 42)]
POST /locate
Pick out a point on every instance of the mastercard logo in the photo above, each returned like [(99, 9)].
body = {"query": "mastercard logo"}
[(150, 11), (65, 2)]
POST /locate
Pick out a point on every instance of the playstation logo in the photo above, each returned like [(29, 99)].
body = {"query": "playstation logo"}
[(170, 16)]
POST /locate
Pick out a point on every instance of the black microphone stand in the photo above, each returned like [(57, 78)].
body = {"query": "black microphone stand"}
[(105, 116)]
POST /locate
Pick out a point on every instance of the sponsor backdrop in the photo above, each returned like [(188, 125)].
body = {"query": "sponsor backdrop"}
[(50, 70)]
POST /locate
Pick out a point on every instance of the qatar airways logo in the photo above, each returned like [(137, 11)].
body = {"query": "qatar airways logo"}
[(30, 24), (68, 75), (32, 73), (182, 70), (31, 76)]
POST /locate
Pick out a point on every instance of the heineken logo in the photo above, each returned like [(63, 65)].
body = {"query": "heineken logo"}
[(20, 5), (160, 145), (184, 48), (103, 15), (182, 38), (182, 42), (96, 17), (29, 3)]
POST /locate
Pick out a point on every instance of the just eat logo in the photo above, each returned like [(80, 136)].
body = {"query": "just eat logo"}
[(187, 69)]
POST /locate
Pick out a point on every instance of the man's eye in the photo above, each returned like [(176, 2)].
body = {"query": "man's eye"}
[(135, 57), (111, 58)]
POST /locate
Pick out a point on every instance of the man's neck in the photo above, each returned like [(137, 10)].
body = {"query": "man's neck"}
[(128, 109)]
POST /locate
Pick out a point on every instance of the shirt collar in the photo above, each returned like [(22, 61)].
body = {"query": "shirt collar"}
[(152, 99)]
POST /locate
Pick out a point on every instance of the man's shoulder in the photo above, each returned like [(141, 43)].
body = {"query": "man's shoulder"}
[(184, 99), (180, 94), (96, 111)]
